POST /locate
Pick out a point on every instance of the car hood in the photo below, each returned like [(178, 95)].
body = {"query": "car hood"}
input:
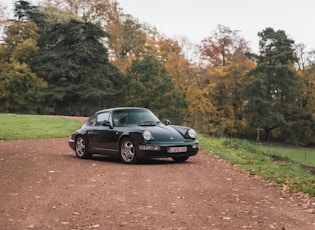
[(167, 133)]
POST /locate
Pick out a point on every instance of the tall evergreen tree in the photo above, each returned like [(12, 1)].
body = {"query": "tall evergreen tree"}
[(23, 10), (75, 64), (271, 96)]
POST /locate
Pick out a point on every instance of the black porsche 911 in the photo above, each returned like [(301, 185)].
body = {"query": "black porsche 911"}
[(133, 134)]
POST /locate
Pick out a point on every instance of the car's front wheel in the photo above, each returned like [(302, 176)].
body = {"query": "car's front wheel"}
[(128, 154), (81, 148), (180, 159)]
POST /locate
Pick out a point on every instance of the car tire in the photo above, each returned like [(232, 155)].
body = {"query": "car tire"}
[(128, 154), (81, 148), (180, 159)]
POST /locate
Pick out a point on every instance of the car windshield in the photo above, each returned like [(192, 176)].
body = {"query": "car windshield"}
[(129, 117)]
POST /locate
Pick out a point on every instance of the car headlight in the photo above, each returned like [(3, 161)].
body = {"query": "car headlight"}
[(147, 135), (192, 133)]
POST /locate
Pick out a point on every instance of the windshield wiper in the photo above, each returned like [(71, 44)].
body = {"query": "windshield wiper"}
[(147, 123)]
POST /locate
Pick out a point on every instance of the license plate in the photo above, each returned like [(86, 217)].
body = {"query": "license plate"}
[(177, 150)]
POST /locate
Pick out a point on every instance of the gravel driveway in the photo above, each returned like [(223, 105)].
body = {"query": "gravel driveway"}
[(44, 186)]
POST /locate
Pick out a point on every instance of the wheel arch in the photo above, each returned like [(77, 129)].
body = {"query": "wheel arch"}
[(121, 138)]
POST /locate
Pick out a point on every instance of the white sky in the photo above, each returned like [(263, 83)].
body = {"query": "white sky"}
[(196, 19)]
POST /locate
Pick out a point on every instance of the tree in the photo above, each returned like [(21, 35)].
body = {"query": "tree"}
[(105, 13), (150, 86), (224, 53), (23, 10), (75, 64), (306, 77), (272, 94), (19, 31), (21, 90), (26, 51), (100, 12), (184, 76), (223, 46), (128, 43)]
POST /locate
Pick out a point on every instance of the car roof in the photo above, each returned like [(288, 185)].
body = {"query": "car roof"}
[(119, 108)]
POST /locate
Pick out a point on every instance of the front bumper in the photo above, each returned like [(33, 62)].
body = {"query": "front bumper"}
[(72, 144), (163, 152)]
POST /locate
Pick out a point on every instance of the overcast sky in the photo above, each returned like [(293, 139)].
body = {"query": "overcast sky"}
[(197, 18)]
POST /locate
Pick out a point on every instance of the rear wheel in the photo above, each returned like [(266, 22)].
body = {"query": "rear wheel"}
[(128, 154), (180, 159), (81, 148)]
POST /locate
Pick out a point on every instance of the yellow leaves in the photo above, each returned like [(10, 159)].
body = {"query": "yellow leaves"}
[(26, 50), (226, 218), (285, 188)]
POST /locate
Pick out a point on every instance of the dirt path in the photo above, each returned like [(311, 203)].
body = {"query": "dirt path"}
[(44, 186)]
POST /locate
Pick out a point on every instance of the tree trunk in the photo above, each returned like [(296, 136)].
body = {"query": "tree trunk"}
[(267, 134)]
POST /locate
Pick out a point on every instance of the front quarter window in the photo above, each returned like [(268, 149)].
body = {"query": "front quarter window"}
[(91, 121)]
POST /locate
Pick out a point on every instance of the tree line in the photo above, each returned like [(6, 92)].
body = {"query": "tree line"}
[(74, 57)]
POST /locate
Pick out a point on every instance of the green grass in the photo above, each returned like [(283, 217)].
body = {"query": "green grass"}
[(301, 155), (17, 127), (280, 170)]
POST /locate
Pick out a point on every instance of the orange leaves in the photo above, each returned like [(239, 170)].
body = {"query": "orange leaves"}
[(223, 47)]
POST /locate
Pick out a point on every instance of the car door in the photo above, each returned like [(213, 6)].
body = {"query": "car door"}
[(103, 136)]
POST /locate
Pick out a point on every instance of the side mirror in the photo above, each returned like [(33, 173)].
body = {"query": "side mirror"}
[(107, 123), (167, 122)]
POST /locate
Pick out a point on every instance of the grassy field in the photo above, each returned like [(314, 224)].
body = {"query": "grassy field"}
[(301, 155), (14, 127), (280, 166)]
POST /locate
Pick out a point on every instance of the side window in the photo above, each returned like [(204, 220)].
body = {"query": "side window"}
[(91, 121), (102, 117)]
